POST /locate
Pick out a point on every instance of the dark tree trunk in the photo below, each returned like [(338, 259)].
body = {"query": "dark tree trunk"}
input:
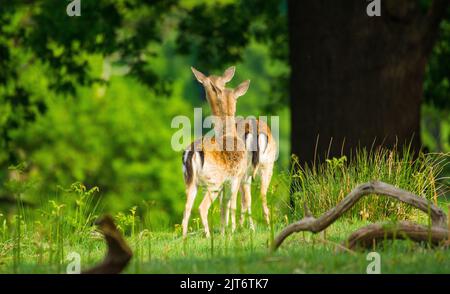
[(357, 79)]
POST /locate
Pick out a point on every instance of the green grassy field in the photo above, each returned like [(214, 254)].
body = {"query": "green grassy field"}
[(243, 252), (40, 239)]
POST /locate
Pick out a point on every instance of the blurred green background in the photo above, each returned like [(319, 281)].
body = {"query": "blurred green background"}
[(90, 99)]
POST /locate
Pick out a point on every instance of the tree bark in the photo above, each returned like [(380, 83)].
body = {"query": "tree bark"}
[(357, 80)]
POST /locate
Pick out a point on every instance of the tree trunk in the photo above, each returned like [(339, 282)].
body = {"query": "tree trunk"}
[(357, 80)]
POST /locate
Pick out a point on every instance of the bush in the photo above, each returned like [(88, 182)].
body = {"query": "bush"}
[(119, 142)]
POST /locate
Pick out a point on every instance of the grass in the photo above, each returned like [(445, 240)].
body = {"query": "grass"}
[(39, 240), (321, 186), (166, 252)]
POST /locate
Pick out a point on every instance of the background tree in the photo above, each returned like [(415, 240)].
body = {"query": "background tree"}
[(356, 79)]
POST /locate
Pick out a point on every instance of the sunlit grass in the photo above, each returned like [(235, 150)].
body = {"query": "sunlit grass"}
[(39, 239), (166, 252), (321, 186)]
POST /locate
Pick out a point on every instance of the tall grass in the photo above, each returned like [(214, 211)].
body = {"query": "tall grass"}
[(47, 233), (322, 186)]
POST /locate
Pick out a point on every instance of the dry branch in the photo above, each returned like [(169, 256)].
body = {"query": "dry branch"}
[(415, 232), (364, 237), (119, 253)]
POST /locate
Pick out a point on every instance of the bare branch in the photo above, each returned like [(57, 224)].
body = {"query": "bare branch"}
[(311, 224), (365, 236)]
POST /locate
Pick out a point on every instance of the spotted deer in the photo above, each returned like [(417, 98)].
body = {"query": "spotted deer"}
[(213, 161), (262, 162), (263, 155)]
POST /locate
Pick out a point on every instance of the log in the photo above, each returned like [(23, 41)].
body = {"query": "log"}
[(364, 237), (119, 253), (315, 225)]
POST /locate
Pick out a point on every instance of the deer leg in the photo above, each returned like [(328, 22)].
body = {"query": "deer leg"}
[(226, 206), (210, 196), (191, 192), (266, 175), (234, 191), (224, 211), (243, 206), (248, 200)]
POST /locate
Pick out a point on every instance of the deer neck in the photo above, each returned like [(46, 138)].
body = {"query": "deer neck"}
[(212, 100), (226, 126)]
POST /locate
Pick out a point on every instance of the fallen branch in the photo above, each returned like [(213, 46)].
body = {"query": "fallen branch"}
[(119, 253), (315, 225), (364, 237)]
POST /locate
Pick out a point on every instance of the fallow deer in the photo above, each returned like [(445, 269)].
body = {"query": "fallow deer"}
[(263, 159), (263, 156), (216, 160)]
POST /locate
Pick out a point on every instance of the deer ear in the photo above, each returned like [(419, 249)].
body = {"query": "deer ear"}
[(241, 89), (198, 75), (228, 74)]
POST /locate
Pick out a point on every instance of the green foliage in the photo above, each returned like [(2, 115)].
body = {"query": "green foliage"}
[(232, 26), (436, 111), (39, 34), (218, 35), (84, 120), (436, 128), (119, 141), (437, 78)]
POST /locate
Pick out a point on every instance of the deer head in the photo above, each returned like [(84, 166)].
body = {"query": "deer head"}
[(225, 105), (222, 100), (226, 98), (218, 81)]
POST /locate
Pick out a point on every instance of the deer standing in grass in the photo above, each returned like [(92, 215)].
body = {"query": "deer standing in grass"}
[(216, 160), (255, 133), (262, 162)]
